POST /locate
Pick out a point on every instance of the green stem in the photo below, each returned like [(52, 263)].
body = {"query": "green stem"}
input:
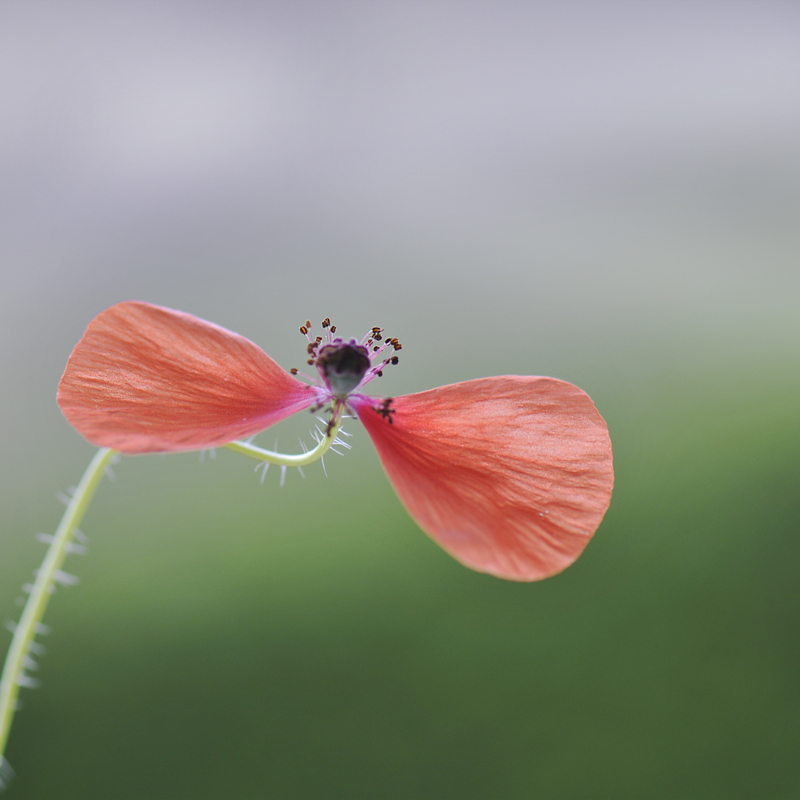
[(47, 575), (299, 460), (42, 588)]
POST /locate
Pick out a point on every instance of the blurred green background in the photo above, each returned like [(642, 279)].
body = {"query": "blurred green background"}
[(606, 193)]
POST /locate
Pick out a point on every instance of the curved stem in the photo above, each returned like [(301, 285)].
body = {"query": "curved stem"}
[(42, 588), (48, 574), (299, 460)]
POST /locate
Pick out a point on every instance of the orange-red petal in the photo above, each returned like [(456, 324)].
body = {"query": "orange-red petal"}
[(510, 475), (149, 379)]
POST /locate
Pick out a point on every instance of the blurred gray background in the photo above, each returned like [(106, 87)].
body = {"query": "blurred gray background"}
[(608, 193)]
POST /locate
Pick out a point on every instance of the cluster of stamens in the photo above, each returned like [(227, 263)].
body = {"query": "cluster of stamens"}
[(373, 345), (345, 366)]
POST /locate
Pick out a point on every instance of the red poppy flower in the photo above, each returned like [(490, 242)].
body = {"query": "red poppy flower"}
[(510, 475)]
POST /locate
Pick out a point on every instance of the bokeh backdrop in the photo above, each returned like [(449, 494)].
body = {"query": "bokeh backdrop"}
[(608, 193)]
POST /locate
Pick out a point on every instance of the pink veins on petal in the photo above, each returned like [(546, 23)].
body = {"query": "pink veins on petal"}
[(149, 379), (510, 475)]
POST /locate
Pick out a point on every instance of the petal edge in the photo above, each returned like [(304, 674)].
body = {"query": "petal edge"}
[(149, 379), (510, 475)]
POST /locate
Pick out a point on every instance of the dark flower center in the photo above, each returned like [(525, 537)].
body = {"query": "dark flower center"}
[(343, 366)]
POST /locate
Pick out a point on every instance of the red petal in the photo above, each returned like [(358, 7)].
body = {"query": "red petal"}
[(510, 475), (147, 379)]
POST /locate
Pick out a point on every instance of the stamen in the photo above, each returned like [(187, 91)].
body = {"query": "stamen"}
[(345, 365), (386, 410)]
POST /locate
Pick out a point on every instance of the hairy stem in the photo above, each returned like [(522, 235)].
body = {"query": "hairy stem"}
[(299, 460), (42, 588), (47, 576)]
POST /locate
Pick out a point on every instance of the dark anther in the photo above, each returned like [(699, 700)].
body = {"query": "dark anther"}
[(326, 323), (398, 346), (375, 349), (379, 373), (318, 339), (333, 329), (293, 370), (310, 361), (378, 336), (394, 359), (386, 409), (303, 330)]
